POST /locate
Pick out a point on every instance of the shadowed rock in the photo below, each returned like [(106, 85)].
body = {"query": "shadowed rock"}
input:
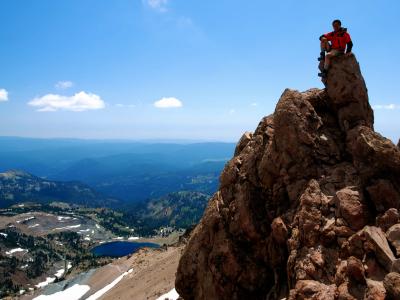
[(304, 204)]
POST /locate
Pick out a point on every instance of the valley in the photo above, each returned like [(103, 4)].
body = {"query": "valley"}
[(70, 208), (45, 244)]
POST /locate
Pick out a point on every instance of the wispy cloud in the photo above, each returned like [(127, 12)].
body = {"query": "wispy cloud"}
[(63, 85), (254, 104), (386, 106), (159, 5), (79, 102), (169, 102), (232, 111), (3, 95)]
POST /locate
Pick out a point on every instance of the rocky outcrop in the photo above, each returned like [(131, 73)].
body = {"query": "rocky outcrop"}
[(308, 206)]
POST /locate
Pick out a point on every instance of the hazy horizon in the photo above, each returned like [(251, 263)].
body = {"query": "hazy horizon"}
[(127, 140)]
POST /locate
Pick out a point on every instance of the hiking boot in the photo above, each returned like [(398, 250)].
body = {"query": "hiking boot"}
[(321, 56), (323, 74)]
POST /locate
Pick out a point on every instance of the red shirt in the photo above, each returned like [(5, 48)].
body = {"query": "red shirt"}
[(338, 39)]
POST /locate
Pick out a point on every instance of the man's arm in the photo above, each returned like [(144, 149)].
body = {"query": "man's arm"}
[(349, 47), (349, 43), (328, 36)]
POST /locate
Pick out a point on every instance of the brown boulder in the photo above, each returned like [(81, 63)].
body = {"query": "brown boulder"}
[(312, 290), (344, 292), (388, 219), (377, 243), (375, 290), (393, 236), (384, 195), (244, 140), (372, 153), (392, 286), (351, 207), (348, 93), (310, 215), (279, 230), (355, 269)]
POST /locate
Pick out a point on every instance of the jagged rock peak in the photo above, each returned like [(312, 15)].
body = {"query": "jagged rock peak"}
[(308, 207)]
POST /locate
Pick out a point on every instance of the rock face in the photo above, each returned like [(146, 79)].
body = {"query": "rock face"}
[(306, 206)]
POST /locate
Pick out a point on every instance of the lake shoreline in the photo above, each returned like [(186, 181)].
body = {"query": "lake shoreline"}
[(117, 249)]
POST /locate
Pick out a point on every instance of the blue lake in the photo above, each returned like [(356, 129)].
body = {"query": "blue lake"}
[(120, 248)]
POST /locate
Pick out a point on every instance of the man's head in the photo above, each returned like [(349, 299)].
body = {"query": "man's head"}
[(336, 25)]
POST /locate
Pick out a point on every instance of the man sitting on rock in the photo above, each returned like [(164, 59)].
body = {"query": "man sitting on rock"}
[(335, 44)]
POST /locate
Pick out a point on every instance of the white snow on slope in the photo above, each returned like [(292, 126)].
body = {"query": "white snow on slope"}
[(108, 287), (73, 293), (15, 250), (68, 227), (171, 295)]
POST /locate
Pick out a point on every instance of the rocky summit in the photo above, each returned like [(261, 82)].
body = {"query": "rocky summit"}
[(308, 207)]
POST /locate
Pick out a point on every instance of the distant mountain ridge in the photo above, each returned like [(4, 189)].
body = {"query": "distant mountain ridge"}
[(18, 186), (130, 171)]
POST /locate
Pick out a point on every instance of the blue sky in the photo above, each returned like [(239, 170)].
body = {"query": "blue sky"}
[(178, 69)]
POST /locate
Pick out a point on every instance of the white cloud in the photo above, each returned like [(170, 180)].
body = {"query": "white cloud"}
[(254, 104), (232, 111), (170, 102), (79, 102), (3, 95), (386, 106), (160, 5), (63, 85)]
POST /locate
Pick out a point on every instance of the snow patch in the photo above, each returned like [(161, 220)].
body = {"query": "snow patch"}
[(25, 220), (15, 250), (108, 287), (73, 293), (46, 282), (68, 227), (59, 273), (171, 295), (4, 234)]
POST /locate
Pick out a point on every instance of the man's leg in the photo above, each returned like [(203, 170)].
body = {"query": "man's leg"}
[(327, 61), (325, 46), (329, 56)]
